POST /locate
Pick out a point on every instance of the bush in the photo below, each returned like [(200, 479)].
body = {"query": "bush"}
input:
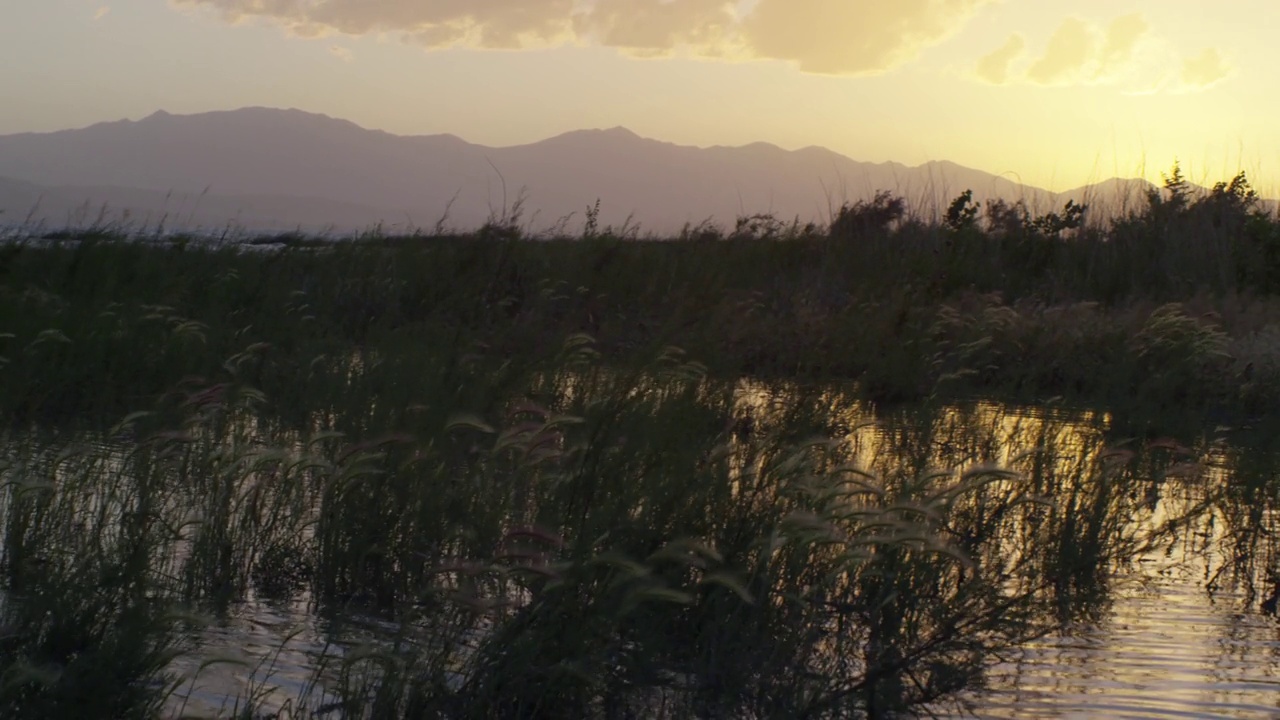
[(868, 217)]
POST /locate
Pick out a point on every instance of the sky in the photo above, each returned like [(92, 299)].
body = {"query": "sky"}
[(1049, 92)]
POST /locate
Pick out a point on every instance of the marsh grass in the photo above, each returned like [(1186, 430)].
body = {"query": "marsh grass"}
[(603, 542), (610, 478), (86, 623), (991, 303)]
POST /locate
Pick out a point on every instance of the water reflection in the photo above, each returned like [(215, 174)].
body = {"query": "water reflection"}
[(260, 649), (1164, 649), (1154, 557)]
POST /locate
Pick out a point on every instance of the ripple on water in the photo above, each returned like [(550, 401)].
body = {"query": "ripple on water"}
[(265, 650), (1163, 651)]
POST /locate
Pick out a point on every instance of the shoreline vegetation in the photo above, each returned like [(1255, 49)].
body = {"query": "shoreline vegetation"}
[(601, 476), (1174, 306)]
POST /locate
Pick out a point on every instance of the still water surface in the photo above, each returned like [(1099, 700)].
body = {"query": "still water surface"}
[(1180, 633), (1164, 649), (1177, 630)]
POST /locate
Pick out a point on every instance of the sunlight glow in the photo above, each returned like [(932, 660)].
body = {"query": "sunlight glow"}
[(1059, 93)]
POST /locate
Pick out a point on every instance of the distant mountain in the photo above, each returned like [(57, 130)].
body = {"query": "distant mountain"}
[(28, 204), (271, 169)]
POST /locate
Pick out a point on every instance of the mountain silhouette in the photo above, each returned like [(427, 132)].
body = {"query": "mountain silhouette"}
[(270, 169)]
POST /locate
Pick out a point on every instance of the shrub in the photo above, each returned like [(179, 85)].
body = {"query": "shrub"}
[(865, 218)]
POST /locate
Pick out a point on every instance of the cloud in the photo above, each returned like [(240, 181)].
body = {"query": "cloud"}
[(656, 27), (1122, 54), (102, 12), (1070, 49), (852, 36), (994, 66), (1204, 69), (343, 54), (1121, 41), (432, 23), (819, 36)]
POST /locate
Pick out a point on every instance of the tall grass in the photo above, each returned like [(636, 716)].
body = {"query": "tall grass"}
[(1024, 310), (495, 447), (592, 541)]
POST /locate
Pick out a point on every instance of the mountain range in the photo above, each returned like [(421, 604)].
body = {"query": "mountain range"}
[(267, 170)]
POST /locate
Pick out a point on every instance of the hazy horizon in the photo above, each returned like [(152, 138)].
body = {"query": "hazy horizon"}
[(1052, 94), (1205, 173), (274, 168), (1138, 174)]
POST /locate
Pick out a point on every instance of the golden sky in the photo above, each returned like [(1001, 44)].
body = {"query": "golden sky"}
[(1054, 93)]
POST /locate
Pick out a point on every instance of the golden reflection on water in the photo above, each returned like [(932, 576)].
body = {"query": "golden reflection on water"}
[(1181, 633), (1164, 648), (1178, 634), (949, 439)]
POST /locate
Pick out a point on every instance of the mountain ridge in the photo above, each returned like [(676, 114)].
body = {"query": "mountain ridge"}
[(254, 154)]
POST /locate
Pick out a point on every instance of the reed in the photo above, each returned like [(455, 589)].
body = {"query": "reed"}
[(726, 475)]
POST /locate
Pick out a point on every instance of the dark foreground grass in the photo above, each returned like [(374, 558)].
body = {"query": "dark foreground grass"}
[(494, 444), (589, 543)]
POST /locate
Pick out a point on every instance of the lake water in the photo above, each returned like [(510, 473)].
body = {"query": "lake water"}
[(1163, 649), (1176, 630)]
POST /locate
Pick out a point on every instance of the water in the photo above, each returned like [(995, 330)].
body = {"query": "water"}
[(1165, 648), (1175, 631), (1173, 639)]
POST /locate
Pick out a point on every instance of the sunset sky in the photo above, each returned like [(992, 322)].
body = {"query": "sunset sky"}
[(1055, 93)]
